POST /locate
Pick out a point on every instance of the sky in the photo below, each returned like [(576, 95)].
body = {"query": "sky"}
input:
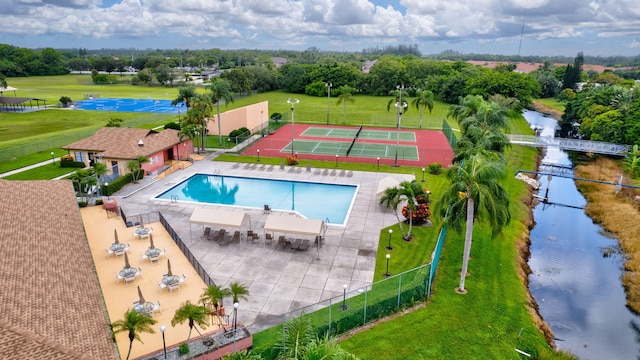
[(505, 27)]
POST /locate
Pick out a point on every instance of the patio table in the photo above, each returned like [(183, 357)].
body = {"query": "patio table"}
[(144, 308)]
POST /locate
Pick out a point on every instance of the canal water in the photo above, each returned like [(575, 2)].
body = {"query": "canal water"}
[(577, 269)]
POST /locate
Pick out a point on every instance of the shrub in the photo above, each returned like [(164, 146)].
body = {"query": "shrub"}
[(172, 125), (71, 164), (292, 160), (99, 202), (65, 101), (183, 349), (435, 169), (82, 204)]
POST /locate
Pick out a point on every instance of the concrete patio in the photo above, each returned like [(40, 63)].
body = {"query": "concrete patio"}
[(279, 281)]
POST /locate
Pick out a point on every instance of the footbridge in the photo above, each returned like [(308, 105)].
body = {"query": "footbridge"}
[(598, 147)]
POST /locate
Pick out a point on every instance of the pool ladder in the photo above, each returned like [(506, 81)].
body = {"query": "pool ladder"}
[(174, 198)]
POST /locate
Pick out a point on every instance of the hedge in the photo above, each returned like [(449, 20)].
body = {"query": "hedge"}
[(118, 183), (71, 164)]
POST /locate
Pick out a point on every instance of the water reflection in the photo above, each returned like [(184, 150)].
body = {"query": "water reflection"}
[(578, 290)]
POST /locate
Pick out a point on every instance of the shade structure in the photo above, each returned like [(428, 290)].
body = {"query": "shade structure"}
[(294, 225), (115, 237), (141, 300), (385, 183), (169, 273), (126, 261), (151, 245), (221, 218)]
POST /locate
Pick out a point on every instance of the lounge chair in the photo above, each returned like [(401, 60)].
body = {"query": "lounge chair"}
[(267, 208), (236, 236), (221, 234), (268, 237), (304, 245), (281, 242), (249, 233), (207, 232)]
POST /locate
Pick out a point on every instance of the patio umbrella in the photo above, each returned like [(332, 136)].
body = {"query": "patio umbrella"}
[(151, 246), (141, 222), (115, 236), (126, 261), (141, 301), (168, 268)]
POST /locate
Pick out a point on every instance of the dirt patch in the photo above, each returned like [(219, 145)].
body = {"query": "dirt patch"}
[(548, 111)]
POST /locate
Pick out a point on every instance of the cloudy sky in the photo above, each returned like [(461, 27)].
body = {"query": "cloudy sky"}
[(551, 27)]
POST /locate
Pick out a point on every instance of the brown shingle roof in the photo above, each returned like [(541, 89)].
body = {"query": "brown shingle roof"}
[(122, 143), (50, 304)]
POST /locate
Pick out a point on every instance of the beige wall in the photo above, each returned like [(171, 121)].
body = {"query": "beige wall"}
[(254, 117)]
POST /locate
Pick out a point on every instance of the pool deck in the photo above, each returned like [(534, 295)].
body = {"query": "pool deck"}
[(279, 281)]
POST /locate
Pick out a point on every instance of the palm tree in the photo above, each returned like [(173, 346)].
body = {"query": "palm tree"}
[(134, 323), (189, 131), (220, 91), (474, 192), (345, 96), (196, 314), (198, 115), (391, 199), (243, 355), (185, 95), (213, 296), (423, 98), (299, 341), (134, 166), (409, 192), (238, 292)]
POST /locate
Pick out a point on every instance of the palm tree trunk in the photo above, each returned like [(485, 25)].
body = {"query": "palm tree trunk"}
[(395, 211), (421, 109), (408, 237), (130, 346), (344, 113), (468, 236)]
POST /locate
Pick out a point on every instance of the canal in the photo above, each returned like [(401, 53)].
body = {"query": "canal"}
[(576, 270)]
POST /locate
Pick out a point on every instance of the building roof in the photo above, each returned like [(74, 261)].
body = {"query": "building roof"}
[(124, 143), (51, 305)]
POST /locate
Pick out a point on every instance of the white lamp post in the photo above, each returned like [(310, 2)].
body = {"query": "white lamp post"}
[(387, 274), (292, 102), (106, 188), (53, 160), (400, 106), (329, 86), (258, 155), (344, 305), (235, 323), (164, 344), (389, 247)]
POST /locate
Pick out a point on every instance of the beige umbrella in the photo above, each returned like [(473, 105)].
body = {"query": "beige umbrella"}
[(115, 236), (168, 268), (141, 301), (151, 246), (126, 261), (141, 222)]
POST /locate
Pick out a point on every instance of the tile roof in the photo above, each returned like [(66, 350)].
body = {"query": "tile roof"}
[(51, 305), (122, 143)]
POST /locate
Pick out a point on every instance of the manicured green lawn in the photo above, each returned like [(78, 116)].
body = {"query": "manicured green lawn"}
[(552, 103)]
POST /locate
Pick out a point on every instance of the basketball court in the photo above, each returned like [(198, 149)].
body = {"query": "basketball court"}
[(356, 144)]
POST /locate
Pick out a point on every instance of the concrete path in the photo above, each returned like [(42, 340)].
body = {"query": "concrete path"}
[(280, 281)]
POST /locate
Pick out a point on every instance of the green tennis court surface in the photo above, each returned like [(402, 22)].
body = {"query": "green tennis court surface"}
[(371, 150), (364, 134)]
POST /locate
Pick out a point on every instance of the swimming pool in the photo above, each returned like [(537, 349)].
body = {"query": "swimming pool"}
[(130, 105), (311, 200)]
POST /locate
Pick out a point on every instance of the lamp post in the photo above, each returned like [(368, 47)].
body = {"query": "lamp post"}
[(378, 159), (422, 174), (387, 274), (344, 305), (235, 323), (428, 193), (258, 155), (328, 85), (400, 106), (336, 160), (53, 160), (164, 344), (292, 102), (389, 247), (106, 189)]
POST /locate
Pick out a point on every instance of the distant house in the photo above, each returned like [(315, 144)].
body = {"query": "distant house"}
[(278, 61), (51, 304), (116, 146), (368, 65)]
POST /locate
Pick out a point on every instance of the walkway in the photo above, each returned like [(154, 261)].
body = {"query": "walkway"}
[(598, 147), (279, 280)]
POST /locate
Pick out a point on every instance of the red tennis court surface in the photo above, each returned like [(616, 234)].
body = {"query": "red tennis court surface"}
[(432, 145)]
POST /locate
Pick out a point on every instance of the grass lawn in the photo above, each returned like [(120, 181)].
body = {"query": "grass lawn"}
[(45, 172), (552, 103)]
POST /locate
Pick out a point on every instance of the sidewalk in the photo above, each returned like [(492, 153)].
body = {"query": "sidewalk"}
[(47, 162)]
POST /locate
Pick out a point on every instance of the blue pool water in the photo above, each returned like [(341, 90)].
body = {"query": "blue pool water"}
[(130, 105), (311, 200)]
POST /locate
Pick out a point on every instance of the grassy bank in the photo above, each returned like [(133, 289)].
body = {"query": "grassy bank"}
[(605, 207)]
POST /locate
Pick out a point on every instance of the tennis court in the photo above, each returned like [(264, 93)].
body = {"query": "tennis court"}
[(359, 149), (365, 134)]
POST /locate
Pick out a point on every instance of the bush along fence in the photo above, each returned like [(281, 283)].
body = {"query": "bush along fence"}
[(359, 307)]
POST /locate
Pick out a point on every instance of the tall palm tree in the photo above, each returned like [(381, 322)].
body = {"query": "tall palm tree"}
[(475, 192), (195, 314), (423, 98), (198, 115), (238, 292), (213, 296), (220, 91), (189, 131), (134, 323), (345, 96)]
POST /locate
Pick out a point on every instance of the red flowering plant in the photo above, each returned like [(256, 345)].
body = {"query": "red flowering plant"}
[(292, 159), (420, 214)]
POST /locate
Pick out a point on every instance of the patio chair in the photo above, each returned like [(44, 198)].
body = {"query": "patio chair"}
[(156, 307), (207, 232), (236, 237), (221, 234), (267, 209), (304, 245), (268, 237), (154, 257), (173, 287), (119, 252), (281, 243), (129, 279), (249, 233), (183, 279)]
